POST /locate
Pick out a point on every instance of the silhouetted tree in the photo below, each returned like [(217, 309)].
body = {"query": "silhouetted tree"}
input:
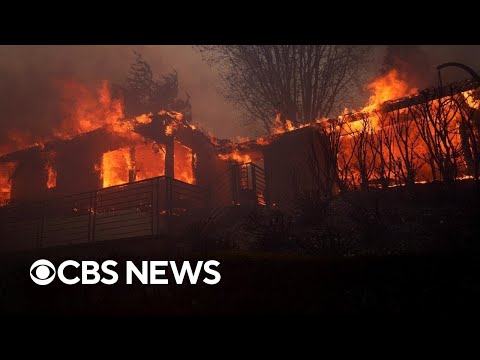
[(299, 82), (437, 125), (407, 161), (364, 157), (144, 93), (337, 155), (381, 143), (469, 129)]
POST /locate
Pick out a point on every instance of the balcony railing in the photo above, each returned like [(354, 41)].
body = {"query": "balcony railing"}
[(135, 209), (143, 208)]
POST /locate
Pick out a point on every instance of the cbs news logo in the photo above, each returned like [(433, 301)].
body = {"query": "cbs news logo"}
[(43, 272)]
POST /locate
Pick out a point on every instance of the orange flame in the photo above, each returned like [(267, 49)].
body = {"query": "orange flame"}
[(149, 161), (115, 167), (84, 110), (387, 87), (236, 156), (473, 102), (7, 170), (177, 119), (263, 141), (136, 163), (184, 160), (51, 176)]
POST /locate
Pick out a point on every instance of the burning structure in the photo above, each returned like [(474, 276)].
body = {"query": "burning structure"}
[(146, 176)]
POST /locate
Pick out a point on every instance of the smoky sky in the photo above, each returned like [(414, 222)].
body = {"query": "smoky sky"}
[(30, 101)]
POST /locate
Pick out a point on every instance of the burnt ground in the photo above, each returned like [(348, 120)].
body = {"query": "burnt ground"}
[(393, 252)]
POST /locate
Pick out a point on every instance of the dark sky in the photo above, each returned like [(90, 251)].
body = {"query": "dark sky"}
[(28, 101)]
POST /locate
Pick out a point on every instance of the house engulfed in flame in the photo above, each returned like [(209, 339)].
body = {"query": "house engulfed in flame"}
[(155, 174)]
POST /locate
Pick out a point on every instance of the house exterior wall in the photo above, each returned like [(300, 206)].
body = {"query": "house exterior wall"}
[(291, 162), (78, 161), (29, 181)]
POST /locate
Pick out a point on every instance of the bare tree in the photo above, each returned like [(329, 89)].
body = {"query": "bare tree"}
[(407, 161), (144, 93), (363, 154), (299, 82), (437, 125), (469, 129), (337, 155), (381, 143)]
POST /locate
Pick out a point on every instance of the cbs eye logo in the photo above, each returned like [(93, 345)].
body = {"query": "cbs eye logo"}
[(42, 272)]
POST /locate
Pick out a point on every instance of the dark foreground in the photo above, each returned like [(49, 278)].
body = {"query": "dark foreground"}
[(377, 253), (266, 285)]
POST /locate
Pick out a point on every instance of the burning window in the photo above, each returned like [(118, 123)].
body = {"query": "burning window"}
[(115, 167), (149, 161), (6, 173), (132, 164), (184, 160)]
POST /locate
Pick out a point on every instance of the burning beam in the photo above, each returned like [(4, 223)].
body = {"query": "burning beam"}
[(429, 94)]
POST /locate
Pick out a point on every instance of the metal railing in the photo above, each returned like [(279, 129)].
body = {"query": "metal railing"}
[(135, 209), (143, 208)]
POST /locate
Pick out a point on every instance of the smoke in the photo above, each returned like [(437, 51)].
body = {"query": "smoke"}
[(31, 95), (30, 98), (417, 63), (29, 86), (411, 61)]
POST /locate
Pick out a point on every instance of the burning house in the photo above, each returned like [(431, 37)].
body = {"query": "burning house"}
[(155, 173), (130, 169)]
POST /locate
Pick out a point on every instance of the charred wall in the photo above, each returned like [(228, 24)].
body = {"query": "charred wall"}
[(291, 162), (29, 181), (207, 164), (25, 173)]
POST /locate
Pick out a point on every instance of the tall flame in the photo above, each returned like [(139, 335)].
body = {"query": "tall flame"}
[(387, 87), (183, 163), (7, 170), (51, 176), (85, 110)]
